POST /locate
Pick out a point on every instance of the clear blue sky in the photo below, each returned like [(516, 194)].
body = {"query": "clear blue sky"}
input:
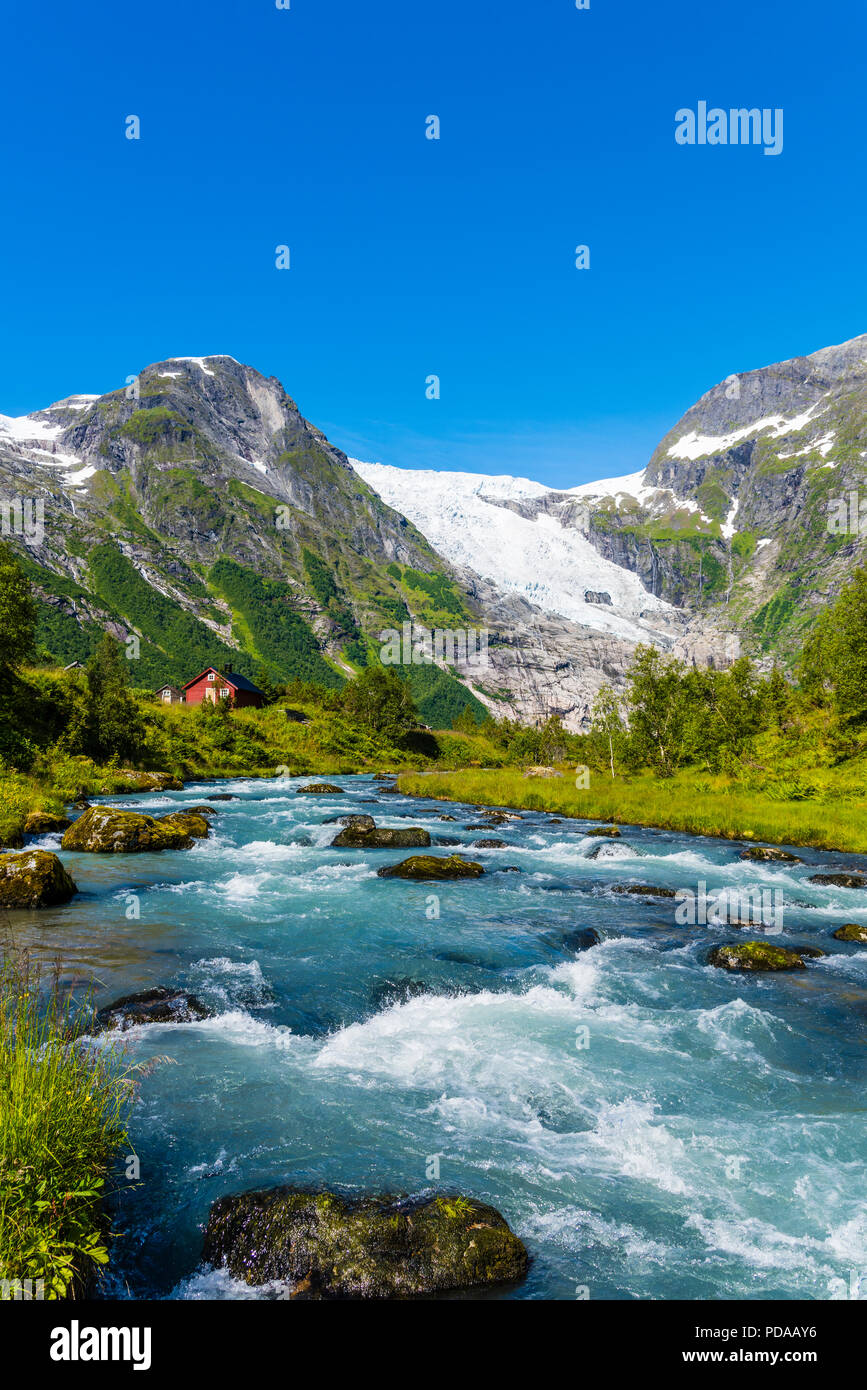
[(410, 257)]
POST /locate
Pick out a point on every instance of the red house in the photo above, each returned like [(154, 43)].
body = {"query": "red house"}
[(214, 685)]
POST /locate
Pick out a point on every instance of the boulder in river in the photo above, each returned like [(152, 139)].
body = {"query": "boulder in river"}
[(430, 866), (147, 781), (581, 939), (769, 854), (839, 880), (360, 837), (611, 831), (851, 931), (319, 789), (644, 890), (448, 840), (191, 823), (35, 878), (366, 822), (489, 844), (446, 817), (202, 811), (754, 956), (44, 822), (158, 1005), (372, 1247), (106, 830)]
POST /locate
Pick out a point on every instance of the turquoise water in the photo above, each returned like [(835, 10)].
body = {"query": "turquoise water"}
[(707, 1143)]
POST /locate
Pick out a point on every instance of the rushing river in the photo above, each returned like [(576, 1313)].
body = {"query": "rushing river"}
[(707, 1142)]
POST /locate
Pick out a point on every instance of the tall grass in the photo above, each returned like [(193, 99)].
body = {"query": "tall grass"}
[(684, 803), (63, 1111)]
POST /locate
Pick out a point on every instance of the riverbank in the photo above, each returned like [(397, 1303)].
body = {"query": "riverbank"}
[(685, 803)]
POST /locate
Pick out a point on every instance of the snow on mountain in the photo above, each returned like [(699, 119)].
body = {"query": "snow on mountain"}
[(550, 565)]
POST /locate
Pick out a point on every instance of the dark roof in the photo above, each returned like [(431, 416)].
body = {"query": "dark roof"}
[(231, 678)]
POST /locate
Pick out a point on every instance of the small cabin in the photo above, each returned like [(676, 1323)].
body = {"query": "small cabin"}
[(214, 685), (169, 695)]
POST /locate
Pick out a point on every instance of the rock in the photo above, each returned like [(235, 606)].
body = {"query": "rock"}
[(489, 844), (151, 1006), (319, 789), (446, 817), (851, 931), (767, 854), (224, 796), (359, 837), (753, 956), (202, 811), (477, 825), (12, 841), (429, 866), (43, 822), (601, 849), (597, 596), (509, 869), (373, 1247), (390, 791), (582, 939), (554, 821), (500, 817), (542, 772), (610, 831), (840, 880), (105, 830), (82, 804), (148, 781), (35, 878), (190, 822), (446, 840), (361, 822), (398, 991), (645, 890), (811, 952)]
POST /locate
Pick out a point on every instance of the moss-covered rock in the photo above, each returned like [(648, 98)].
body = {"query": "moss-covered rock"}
[(44, 822), (769, 854), (851, 931), (644, 890), (840, 880), (35, 878), (362, 837), (489, 844), (105, 830), (202, 811), (375, 1247), (430, 866), (191, 823), (158, 1005), (145, 781), (754, 956), (610, 831), (319, 789)]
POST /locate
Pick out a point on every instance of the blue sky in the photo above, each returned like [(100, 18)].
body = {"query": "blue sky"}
[(410, 257)]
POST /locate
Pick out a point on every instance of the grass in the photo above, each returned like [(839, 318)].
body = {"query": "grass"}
[(62, 1123), (687, 803)]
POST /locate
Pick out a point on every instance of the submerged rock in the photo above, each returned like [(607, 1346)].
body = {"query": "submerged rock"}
[(446, 818), (373, 1247), (768, 854), (489, 844), (582, 939), (610, 830), (398, 991), (361, 837), (43, 822), (366, 822), (202, 811), (446, 840), (851, 931), (158, 1005), (35, 878), (604, 847), (840, 880), (224, 796), (430, 866), (319, 789), (644, 890), (105, 830), (810, 952), (753, 956)]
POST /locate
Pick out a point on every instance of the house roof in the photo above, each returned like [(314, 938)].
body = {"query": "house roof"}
[(233, 679), (167, 685)]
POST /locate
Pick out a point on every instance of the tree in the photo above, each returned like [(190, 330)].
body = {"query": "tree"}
[(379, 698), (658, 710), (608, 727), (835, 654), (17, 614), (114, 723)]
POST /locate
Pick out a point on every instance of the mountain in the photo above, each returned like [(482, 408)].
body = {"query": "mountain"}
[(734, 526), (198, 513)]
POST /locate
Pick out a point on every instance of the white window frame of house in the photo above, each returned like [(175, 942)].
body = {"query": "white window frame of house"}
[(224, 692), (211, 676)]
